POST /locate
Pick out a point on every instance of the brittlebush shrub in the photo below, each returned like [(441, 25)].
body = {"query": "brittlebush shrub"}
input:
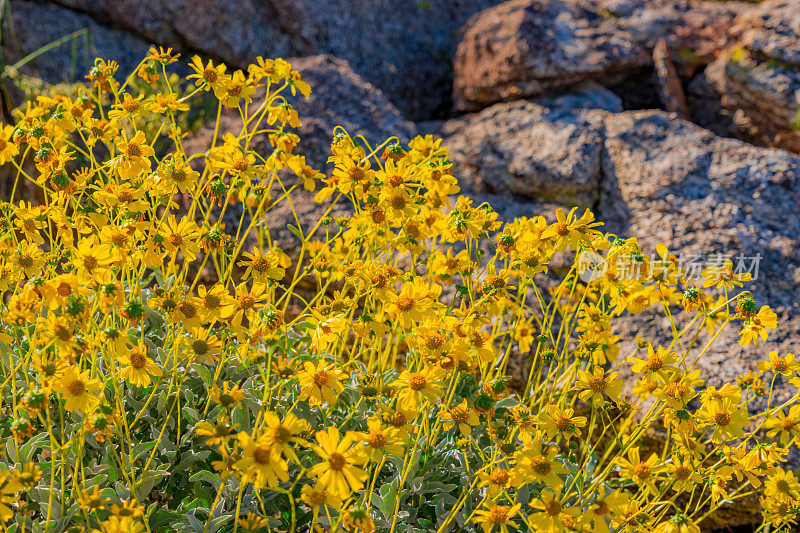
[(163, 371)]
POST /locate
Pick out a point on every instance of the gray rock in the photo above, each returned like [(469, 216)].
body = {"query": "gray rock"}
[(759, 76), (669, 181), (405, 48), (541, 149), (524, 48), (32, 25)]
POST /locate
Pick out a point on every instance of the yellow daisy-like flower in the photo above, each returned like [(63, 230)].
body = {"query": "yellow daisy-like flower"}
[(381, 440), (261, 462), (784, 425), (786, 366), (641, 472), (138, 367), (320, 384), (338, 472), (7, 147), (496, 517), (418, 387), (209, 76), (595, 386), (557, 421), (460, 416), (537, 463), (756, 327), (725, 417), (283, 433), (77, 389), (244, 304), (660, 361), (317, 496)]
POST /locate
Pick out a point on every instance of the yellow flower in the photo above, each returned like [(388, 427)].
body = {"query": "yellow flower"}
[(115, 524), (283, 433), (244, 304), (217, 433), (537, 463), (7, 147), (683, 473), (413, 303), (677, 524), (418, 387), (496, 517), (321, 383), (460, 415), (139, 368), (227, 396), (317, 496), (596, 385), (212, 301), (496, 481), (92, 501), (165, 57), (9, 487), (76, 388), (786, 425), (659, 362), (130, 107), (261, 463), (202, 344), (208, 76), (357, 519), (135, 156), (640, 472), (263, 266), (786, 366), (724, 276), (757, 326), (569, 231), (557, 421), (554, 516), (234, 89), (782, 485), (726, 418), (338, 472), (181, 235), (381, 440), (606, 507)]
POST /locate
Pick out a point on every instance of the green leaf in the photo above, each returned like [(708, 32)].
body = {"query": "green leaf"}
[(295, 231)]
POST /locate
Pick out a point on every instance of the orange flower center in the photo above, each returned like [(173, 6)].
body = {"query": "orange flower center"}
[(405, 303), (417, 381), (498, 514), (553, 508), (597, 383), (138, 361), (77, 387), (377, 440), (246, 301), (321, 378), (722, 418), (500, 476), (682, 472), (281, 434), (642, 470), (262, 454), (337, 461), (541, 465)]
